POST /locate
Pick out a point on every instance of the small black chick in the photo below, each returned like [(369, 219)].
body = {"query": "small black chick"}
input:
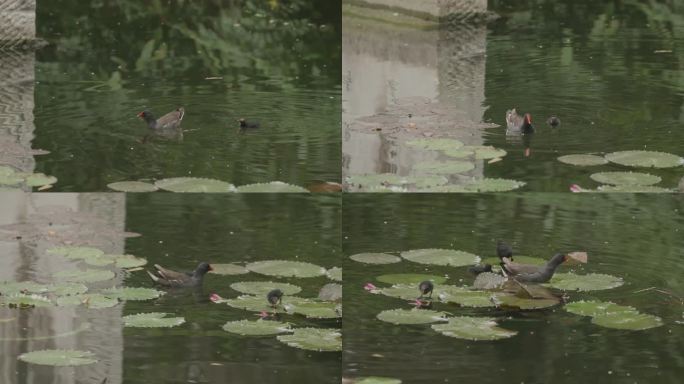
[(274, 297), (425, 287), (248, 124), (553, 121)]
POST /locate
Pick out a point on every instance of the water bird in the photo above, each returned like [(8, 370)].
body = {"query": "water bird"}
[(171, 120), (553, 121), (169, 278), (274, 297), (480, 268), (244, 124), (533, 273), (503, 250), (425, 287), (518, 125)]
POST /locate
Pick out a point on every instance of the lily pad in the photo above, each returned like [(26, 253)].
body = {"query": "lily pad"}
[(646, 159), (228, 269), (583, 160), (67, 289), (132, 293), (286, 268), (194, 185), (25, 301), (448, 257), (436, 144), (8, 176), (377, 380), (39, 179), (465, 297), (249, 303), (633, 321), (411, 316), (596, 308), (375, 258), (272, 187), (444, 167), (76, 253), (473, 328), (314, 339), (625, 178), (334, 273), (58, 357), (12, 287), (132, 186), (129, 261), (401, 291), (373, 181), (312, 308), (92, 301), (493, 185), (522, 303), (410, 278), (256, 327), (264, 287), (633, 189), (99, 261), (589, 282), (152, 320), (84, 276)]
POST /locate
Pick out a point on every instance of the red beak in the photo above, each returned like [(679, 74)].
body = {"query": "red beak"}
[(140, 115), (528, 118), (210, 268)]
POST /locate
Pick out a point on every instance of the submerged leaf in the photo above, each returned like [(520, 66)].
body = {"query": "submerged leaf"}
[(264, 287), (194, 185), (257, 327), (448, 257), (375, 258), (272, 187), (625, 178), (76, 253), (411, 316), (314, 339), (473, 328), (132, 186), (589, 282), (58, 357), (228, 269), (410, 278), (286, 268), (583, 160), (152, 320), (84, 276), (647, 159), (312, 308)]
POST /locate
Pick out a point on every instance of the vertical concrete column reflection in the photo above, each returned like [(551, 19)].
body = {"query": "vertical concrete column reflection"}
[(29, 225)]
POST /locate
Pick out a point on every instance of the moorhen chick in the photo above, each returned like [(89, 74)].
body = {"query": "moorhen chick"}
[(171, 120), (502, 250), (244, 124), (274, 297), (518, 125), (425, 287), (533, 273), (553, 121), (169, 278)]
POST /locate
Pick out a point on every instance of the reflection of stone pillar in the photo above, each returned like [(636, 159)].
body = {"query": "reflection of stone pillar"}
[(29, 225), (17, 25)]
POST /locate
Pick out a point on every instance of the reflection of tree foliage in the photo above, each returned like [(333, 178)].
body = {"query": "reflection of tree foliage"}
[(296, 40)]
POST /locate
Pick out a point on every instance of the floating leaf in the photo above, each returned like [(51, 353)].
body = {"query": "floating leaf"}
[(647, 159), (286, 268), (250, 303), (99, 261), (589, 282), (410, 278), (411, 316), (377, 380), (67, 289), (312, 309), (518, 259), (401, 291), (194, 185), (375, 258), (465, 297), (583, 160), (444, 167), (632, 321), (448, 257), (84, 276), (132, 186), (473, 328), (76, 253), (625, 178), (8, 176), (39, 180), (129, 261), (596, 308), (12, 287), (330, 292), (314, 339), (493, 185), (334, 274), (436, 144), (256, 327), (264, 287), (58, 357), (272, 187), (522, 303), (152, 320), (132, 294), (228, 269), (370, 181), (632, 189), (92, 301), (25, 301)]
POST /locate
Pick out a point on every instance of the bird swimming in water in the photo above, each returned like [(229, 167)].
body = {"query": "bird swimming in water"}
[(169, 278), (553, 121), (244, 124)]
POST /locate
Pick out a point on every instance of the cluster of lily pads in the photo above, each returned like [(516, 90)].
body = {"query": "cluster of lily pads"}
[(253, 294), (491, 291), (621, 181), (10, 178), (203, 185), (437, 176)]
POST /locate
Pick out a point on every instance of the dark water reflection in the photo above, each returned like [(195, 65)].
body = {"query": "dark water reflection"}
[(222, 60), (635, 237)]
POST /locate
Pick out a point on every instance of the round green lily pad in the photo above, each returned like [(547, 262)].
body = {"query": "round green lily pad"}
[(152, 320), (84, 276), (129, 261), (25, 301), (633, 189), (473, 328), (67, 289), (76, 253), (493, 185), (596, 308), (250, 303), (505, 300), (228, 269), (401, 291), (483, 152), (518, 259), (583, 160), (448, 257), (132, 293), (194, 185), (132, 186), (263, 287), (256, 327), (312, 309), (12, 287), (58, 357), (646, 159), (377, 380), (625, 178), (411, 316), (8, 176), (314, 339), (465, 297), (589, 282), (410, 278), (99, 261), (383, 180), (92, 301), (375, 258), (272, 187), (39, 179), (444, 167), (334, 273), (6, 170), (632, 321), (436, 144), (286, 268)]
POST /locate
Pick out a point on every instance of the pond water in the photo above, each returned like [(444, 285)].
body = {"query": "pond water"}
[(270, 62), (177, 233), (610, 72), (634, 237)]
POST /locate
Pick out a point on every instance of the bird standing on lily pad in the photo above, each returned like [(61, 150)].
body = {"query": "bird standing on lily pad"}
[(169, 278)]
